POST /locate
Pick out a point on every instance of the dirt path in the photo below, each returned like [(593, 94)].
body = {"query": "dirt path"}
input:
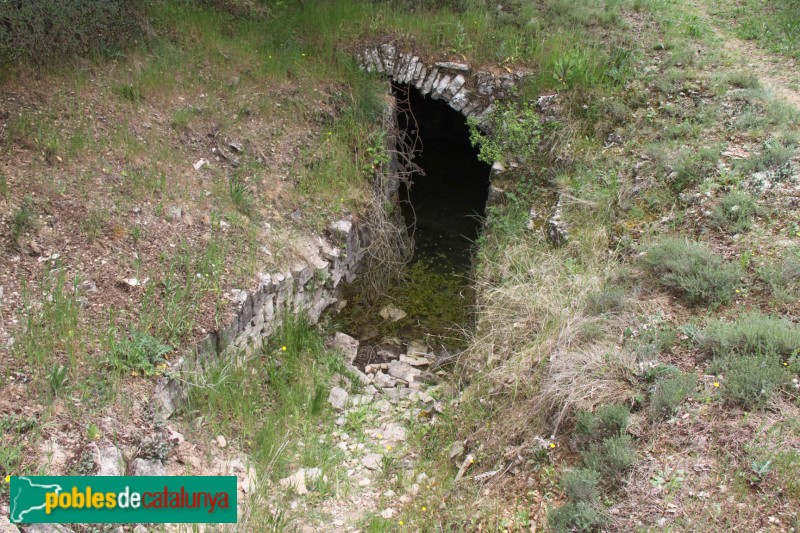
[(777, 73)]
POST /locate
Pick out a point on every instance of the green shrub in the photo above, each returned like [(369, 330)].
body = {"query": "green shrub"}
[(752, 334), (750, 381), (512, 135), (783, 278), (692, 168), (43, 31), (581, 485), (609, 421), (735, 212), (575, 516), (693, 271), (611, 458), (669, 392), (605, 300)]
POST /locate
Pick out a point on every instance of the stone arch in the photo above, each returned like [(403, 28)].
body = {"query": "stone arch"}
[(471, 95)]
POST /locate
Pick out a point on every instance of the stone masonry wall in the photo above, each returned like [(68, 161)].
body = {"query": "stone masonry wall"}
[(309, 287)]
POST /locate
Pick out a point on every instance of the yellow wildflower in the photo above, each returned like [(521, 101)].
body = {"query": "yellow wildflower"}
[(716, 383)]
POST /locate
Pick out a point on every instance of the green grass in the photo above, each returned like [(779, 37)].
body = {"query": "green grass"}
[(53, 334), (24, 219), (128, 92), (276, 399), (774, 25), (95, 223)]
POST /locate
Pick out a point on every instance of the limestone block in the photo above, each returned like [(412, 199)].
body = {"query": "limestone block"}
[(400, 66), (470, 108), (453, 87), (438, 91), (375, 62), (411, 70), (460, 100), (427, 86), (419, 76), (463, 67)]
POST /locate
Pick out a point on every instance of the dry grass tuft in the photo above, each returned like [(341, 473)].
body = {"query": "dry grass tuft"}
[(528, 344), (586, 378)]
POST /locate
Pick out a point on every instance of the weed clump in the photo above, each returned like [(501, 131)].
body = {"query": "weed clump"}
[(652, 342), (582, 485), (751, 381), (607, 452), (753, 334), (138, 352), (783, 278), (669, 392), (609, 421), (241, 197), (742, 80), (24, 220), (575, 516), (692, 168), (735, 212), (611, 458), (693, 271), (751, 353), (128, 92)]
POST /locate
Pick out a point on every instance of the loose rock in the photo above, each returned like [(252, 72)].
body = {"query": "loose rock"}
[(338, 398), (372, 461), (392, 313), (345, 344), (148, 467)]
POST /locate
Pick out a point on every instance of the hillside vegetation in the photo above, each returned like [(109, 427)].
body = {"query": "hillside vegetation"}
[(642, 375)]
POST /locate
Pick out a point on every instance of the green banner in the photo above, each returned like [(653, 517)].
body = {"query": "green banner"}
[(122, 499)]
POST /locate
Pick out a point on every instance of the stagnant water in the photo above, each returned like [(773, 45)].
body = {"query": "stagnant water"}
[(443, 206)]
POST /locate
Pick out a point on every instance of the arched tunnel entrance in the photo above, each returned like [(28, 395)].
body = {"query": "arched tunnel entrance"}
[(444, 205)]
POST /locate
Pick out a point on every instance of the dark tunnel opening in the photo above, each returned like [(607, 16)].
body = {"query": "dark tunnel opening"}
[(445, 206)]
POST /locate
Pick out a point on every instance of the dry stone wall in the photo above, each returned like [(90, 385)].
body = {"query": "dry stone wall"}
[(309, 288)]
